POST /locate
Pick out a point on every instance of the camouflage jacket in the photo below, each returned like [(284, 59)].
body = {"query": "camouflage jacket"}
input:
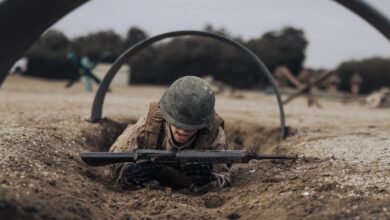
[(133, 135)]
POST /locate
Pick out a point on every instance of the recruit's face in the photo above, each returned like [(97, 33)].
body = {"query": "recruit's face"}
[(180, 135)]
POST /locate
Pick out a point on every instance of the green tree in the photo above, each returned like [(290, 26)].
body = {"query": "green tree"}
[(47, 57), (96, 45), (285, 47), (375, 73), (221, 31), (202, 56), (133, 36)]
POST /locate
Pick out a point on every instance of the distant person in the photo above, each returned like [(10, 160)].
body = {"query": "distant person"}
[(333, 83), (184, 118), (355, 83)]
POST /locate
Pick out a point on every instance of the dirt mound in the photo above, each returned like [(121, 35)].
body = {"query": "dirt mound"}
[(42, 175), (341, 172), (251, 136)]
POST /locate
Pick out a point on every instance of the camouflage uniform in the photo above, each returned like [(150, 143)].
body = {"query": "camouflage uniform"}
[(133, 138)]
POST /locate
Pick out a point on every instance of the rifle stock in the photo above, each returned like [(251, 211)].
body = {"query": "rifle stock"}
[(183, 157)]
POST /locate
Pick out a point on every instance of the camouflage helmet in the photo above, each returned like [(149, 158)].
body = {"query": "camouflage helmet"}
[(188, 103)]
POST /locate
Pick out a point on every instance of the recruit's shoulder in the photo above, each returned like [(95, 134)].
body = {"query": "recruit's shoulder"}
[(127, 141), (220, 142)]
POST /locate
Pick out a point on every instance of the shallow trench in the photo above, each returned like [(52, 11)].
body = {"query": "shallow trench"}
[(76, 191), (239, 135)]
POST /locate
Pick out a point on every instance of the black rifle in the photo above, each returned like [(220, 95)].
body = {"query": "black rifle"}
[(178, 157)]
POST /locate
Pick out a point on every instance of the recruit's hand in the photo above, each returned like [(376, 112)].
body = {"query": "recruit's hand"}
[(171, 177), (201, 174), (139, 173)]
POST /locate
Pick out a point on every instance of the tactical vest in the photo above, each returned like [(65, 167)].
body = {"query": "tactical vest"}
[(154, 130)]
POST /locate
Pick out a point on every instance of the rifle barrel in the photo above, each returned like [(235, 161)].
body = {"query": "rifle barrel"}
[(107, 158), (275, 156), (185, 156)]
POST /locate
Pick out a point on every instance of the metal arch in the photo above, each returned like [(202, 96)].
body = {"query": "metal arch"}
[(21, 24), (97, 106), (368, 13)]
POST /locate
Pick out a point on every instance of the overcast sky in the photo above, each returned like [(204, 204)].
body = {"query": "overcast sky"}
[(334, 33)]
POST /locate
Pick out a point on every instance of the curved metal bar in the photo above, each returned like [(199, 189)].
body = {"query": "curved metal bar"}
[(370, 14), (97, 106), (21, 24)]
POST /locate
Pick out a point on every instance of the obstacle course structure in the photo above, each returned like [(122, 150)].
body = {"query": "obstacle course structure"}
[(23, 22), (97, 106)]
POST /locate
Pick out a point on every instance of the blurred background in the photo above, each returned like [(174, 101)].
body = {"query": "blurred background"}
[(315, 36)]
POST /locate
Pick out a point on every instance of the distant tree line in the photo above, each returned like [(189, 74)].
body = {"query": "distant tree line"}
[(375, 73), (48, 56), (164, 62)]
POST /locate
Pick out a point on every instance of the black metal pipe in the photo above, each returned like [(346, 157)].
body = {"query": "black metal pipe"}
[(368, 13), (22, 23)]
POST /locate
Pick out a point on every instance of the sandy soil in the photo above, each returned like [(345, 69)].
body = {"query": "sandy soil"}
[(342, 171)]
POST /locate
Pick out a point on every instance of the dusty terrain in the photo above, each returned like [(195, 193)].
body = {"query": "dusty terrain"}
[(342, 172)]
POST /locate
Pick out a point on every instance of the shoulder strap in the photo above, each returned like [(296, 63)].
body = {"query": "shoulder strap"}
[(207, 135), (153, 126)]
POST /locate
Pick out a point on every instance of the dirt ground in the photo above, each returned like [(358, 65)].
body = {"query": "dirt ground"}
[(343, 170)]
